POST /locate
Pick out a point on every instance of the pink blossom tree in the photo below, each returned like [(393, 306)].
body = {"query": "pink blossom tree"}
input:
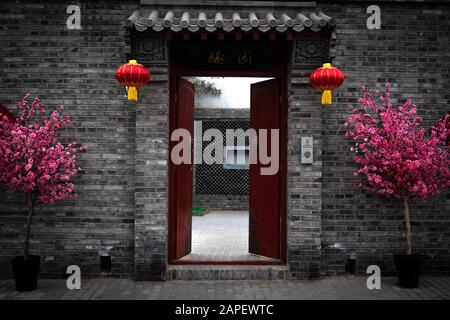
[(32, 162), (398, 158)]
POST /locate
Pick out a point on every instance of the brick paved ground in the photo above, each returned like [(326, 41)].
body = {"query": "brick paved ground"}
[(221, 235), (345, 287)]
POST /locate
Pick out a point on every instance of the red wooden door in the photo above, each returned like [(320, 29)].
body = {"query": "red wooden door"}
[(182, 179), (264, 195)]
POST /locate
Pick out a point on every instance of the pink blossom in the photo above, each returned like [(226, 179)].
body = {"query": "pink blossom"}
[(391, 142), (30, 176), (31, 161), (53, 165)]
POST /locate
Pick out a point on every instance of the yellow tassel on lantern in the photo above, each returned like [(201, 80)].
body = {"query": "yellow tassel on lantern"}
[(326, 94), (326, 97), (132, 94)]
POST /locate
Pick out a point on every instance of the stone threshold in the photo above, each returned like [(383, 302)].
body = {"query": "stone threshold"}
[(227, 272)]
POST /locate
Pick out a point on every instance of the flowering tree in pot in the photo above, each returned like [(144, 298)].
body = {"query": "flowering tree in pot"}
[(399, 160), (33, 163)]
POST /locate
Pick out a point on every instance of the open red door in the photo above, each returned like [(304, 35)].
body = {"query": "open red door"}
[(181, 174), (264, 195)]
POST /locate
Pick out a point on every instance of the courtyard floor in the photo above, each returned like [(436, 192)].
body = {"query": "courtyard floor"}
[(221, 235), (343, 287)]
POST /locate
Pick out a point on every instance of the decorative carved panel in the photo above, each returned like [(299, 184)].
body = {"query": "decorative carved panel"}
[(150, 50), (311, 52)]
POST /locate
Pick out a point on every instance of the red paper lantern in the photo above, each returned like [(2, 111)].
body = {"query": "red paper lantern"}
[(326, 79), (132, 75)]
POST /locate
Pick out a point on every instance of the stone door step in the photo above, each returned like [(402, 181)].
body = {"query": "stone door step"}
[(227, 272)]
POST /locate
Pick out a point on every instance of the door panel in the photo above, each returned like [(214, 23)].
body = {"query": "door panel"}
[(264, 195), (183, 172)]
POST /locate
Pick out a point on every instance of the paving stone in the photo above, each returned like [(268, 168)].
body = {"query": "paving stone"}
[(343, 287)]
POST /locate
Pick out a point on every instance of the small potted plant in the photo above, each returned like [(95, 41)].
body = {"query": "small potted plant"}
[(34, 164), (399, 160)]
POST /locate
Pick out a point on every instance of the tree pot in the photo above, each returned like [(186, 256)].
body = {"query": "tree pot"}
[(408, 269), (26, 272)]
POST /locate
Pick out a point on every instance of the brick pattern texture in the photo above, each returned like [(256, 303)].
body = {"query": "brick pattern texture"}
[(74, 68), (411, 51)]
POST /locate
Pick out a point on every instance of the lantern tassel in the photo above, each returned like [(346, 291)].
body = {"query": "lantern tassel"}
[(132, 94), (326, 97)]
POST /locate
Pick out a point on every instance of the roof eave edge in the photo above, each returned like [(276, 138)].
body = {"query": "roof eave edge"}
[(226, 3)]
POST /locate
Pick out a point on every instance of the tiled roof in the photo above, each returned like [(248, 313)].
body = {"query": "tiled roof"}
[(280, 21)]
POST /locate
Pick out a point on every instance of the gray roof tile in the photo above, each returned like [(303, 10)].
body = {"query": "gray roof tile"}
[(159, 20)]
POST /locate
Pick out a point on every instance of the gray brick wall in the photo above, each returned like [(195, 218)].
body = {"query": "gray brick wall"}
[(304, 182), (74, 68), (411, 51), (151, 191)]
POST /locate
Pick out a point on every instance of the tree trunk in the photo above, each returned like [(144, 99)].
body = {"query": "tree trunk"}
[(407, 225), (28, 231)]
